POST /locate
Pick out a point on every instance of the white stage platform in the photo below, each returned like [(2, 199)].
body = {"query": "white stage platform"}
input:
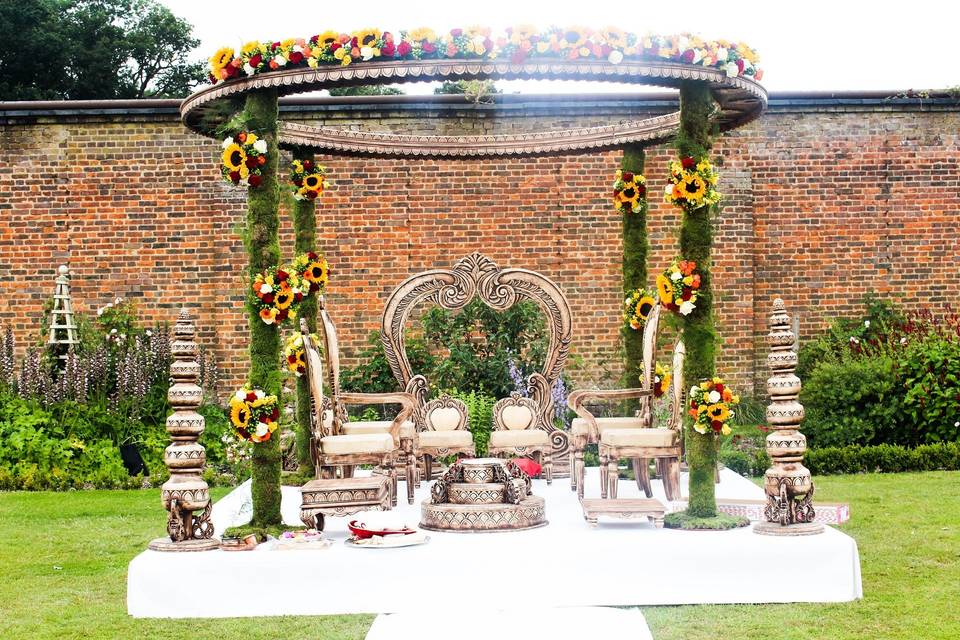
[(565, 564)]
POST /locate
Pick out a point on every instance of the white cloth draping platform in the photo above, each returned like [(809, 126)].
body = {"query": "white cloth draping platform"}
[(564, 564)]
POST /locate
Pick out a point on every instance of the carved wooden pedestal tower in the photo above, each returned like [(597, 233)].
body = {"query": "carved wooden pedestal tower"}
[(185, 492), (789, 487)]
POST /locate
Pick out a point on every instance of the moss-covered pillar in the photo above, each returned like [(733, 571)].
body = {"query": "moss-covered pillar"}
[(305, 239), (263, 247), (696, 237), (635, 248)]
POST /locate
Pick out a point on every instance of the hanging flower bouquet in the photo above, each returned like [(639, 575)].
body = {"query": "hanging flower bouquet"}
[(307, 179), (312, 269), (637, 307), (277, 292), (711, 405), (692, 184), (677, 286), (253, 414), (629, 192), (294, 354), (243, 158), (661, 380)]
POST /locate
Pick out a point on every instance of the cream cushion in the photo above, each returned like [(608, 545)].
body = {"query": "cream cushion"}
[(361, 443), (445, 439), (381, 426), (516, 417), (639, 437), (445, 418), (579, 425), (514, 438)]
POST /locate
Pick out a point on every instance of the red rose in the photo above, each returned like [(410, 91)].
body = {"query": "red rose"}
[(291, 358), (256, 60), (282, 275), (628, 177), (693, 404), (404, 49), (235, 177), (298, 182), (311, 195), (311, 255), (252, 162), (388, 37), (296, 57), (282, 315), (275, 45), (427, 47), (267, 298), (718, 388), (275, 415), (740, 65), (314, 287), (388, 50), (308, 165), (335, 46), (353, 43), (297, 297), (254, 180), (717, 425), (642, 190), (231, 70), (687, 294), (261, 160), (687, 56), (456, 33), (688, 162), (314, 39), (251, 396)]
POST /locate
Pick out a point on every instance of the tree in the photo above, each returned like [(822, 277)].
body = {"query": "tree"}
[(367, 90), (475, 91), (90, 49)]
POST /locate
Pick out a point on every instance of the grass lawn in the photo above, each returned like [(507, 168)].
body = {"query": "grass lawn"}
[(64, 558)]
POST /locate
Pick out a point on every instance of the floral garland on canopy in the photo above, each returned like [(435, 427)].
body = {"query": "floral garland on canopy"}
[(517, 44)]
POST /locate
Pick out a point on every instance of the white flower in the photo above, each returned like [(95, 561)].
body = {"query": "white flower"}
[(732, 69), (259, 393), (247, 69), (697, 55), (957, 423), (693, 390), (117, 300), (262, 429), (265, 288), (686, 308), (227, 142), (112, 331), (854, 340), (240, 395), (615, 57), (100, 311), (367, 53), (714, 397), (280, 60), (149, 333), (866, 323), (260, 145), (903, 340), (722, 54), (123, 336), (109, 305), (668, 189), (676, 276)]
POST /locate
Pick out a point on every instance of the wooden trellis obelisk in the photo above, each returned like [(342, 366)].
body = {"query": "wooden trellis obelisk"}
[(63, 328)]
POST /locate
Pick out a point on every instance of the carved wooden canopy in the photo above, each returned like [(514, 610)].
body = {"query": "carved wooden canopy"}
[(739, 100), (476, 276)]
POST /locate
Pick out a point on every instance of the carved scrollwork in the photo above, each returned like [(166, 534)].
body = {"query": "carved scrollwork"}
[(175, 528), (440, 488), (203, 524)]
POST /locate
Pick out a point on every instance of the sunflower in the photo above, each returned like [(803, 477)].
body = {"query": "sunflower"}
[(316, 271), (250, 48), (367, 37), (284, 297), (693, 187), (613, 36), (628, 196), (664, 289), (240, 415), (234, 158), (718, 411), (644, 307), (421, 34), (221, 59), (574, 38), (296, 363), (313, 182), (327, 38), (522, 33)]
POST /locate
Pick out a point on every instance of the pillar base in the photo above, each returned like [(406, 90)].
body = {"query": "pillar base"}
[(777, 529)]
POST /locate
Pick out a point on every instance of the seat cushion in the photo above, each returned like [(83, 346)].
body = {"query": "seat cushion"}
[(579, 425), (639, 437), (445, 439), (360, 443), (380, 426), (516, 438)]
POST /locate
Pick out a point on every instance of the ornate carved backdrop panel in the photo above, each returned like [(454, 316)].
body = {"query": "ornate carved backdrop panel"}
[(477, 276)]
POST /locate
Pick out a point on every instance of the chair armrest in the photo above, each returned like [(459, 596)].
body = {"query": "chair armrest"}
[(577, 399), (407, 402)]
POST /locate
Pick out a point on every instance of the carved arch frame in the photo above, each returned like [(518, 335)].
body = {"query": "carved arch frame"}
[(478, 276)]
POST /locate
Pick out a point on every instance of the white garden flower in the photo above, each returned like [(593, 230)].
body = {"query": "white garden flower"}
[(686, 308), (265, 288), (903, 340), (280, 60), (259, 393), (240, 396), (676, 276), (100, 311), (227, 142), (262, 429), (866, 323), (247, 69), (693, 390), (117, 300), (260, 145), (714, 397), (615, 57), (367, 53), (149, 333), (113, 331), (668, 189)]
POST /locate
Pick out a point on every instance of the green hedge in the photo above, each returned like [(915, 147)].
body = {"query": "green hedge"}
[(884, 458)]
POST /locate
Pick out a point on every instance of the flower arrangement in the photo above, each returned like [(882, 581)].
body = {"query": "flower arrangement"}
[(677, 286), (277, 292), (517, 44), (711, 405), (294, 354), (307, 179), (312, 269), (243, 158), (637, 307), (253, 414), (629, 192), (692, 184), (661, 380)]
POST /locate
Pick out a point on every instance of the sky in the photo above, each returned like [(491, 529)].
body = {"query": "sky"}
[(814, 45)]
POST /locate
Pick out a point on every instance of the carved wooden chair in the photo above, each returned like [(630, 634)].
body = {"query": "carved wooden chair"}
[(446, 432), (515, 432), (478, 276), (632, 437), (341, 445)]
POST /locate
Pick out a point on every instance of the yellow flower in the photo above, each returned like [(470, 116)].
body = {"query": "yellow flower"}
[(725, 429), (664, 289), (704, 385), (234, 158), (220, 59), (421, 34), (543, 46), (367, 37), (297, 166), (313, 182), (284, 297), (522, 33), (240, 415), (688, 280), (693, 187), (327, 38), (644, 307), (703, 166), (250, 48), (289, 42), (251, 138), (574, 38), (316, 272), (718, 411), (614, 36)]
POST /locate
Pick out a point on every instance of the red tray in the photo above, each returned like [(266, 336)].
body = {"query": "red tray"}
[(361, 532)]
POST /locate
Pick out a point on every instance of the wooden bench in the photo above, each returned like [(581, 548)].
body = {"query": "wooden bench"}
[(343, 497), (625, 508)]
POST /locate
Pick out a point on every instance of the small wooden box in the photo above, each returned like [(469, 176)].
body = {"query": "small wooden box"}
[(342, 497), (624, 508)]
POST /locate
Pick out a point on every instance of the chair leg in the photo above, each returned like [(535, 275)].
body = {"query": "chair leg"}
[(428, 466), (641, 469), (613, 475), (392, 475), (547, 458), (671, 479), (571, 462), (603, 474), (411, 475), (577, 472)]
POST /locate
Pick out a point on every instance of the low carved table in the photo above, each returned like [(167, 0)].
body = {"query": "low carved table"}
[(626, 508), (342, 497)]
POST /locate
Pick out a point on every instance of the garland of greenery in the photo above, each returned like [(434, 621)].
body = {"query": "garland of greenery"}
[(263, 247), (305, 235), (635, 249)]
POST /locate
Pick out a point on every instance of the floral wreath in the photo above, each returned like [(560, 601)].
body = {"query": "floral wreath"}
[(710, 406), (278, 291), (253, 414), (629, 192), (692, 184), (243, 158), (516, 44), (294, 354), (307, 179), (637, 307), (313, 269), (677, 286)]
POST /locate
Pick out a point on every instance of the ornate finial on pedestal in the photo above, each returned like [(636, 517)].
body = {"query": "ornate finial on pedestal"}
[(788, 484), (185, 491)]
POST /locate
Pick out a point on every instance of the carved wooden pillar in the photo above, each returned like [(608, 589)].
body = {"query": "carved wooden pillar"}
[(788, 483), (185, 492)]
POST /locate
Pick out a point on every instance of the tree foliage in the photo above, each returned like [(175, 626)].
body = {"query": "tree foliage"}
[(367, 90), (94, 49)]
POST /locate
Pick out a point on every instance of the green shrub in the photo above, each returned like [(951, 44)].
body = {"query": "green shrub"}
[(480, 410), (930, 370), (883, 458)]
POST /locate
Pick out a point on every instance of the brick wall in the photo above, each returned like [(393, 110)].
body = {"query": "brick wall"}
[(826, 198)]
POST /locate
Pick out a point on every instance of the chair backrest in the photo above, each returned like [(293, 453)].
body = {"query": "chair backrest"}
[(314, 373), (677, 390), (515, 413), (446, 414)]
